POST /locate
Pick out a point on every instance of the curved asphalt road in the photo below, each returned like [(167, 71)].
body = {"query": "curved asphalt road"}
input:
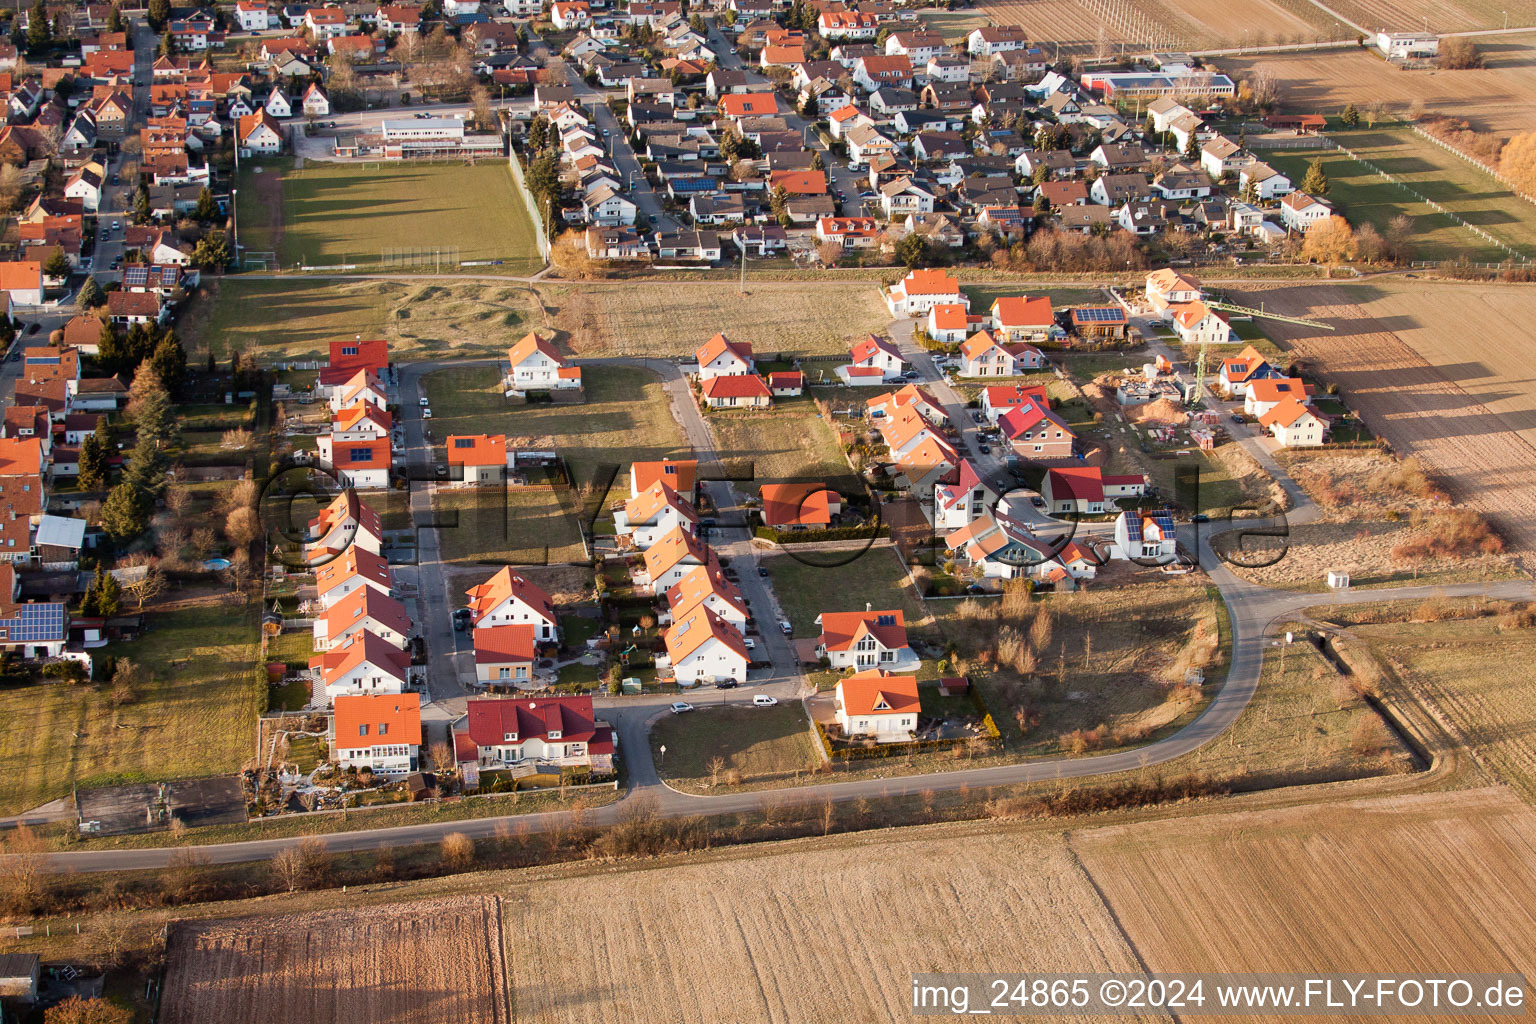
[(1251, 610)]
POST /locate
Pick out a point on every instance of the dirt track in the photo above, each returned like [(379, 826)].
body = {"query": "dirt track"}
[(1482, 458)]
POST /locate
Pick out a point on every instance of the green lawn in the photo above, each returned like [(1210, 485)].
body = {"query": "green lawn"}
[(753, 741), (373, 215), (790, 442), (954, 26), (518, 525), (875, 577), (1362, 195), (982, 296), (626, 417), (195, 714), (419, 321)]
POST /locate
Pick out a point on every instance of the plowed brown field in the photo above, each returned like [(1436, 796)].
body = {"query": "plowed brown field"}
[(1076, 24), (802, 936), (1416, 882), (1500, 98), (438, 962), (1442, 371)]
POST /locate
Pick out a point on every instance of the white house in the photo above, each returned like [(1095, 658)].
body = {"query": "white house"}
[(1196, 323), (872, 703), (252, 15), (260, 134), (1299, 211), (85, 185), (701, 586), (277, 104), (704, 648), (607, 206), (499, 732), (341, 524), (867, 639), (355, 569), (1294, 424), (1220, 155), (365, 609), (992, 40), (381, 733), (921, 290), (670, 558), (1268, 183), (569, 14), (982, 355), (361, 464), (876, 354), (1263, 395), (316, 103), (1407, 45), (958, 503), (504, 655), (722, 357), (534, 364), (362, 662), (1018, 318), (1087, 489), (950, 323), (1146, 537), (511, 598), (653, 514)]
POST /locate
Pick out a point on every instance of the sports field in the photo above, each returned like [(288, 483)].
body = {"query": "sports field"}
[(417, 217), (295, 318), (1364, 196)]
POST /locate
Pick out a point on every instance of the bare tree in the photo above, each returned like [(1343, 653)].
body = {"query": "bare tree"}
[(828, 814), (716, 766), (143, 588), (24, 882), (125, 682)]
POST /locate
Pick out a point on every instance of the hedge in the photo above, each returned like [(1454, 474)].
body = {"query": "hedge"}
[(865, 532), (884, 750)]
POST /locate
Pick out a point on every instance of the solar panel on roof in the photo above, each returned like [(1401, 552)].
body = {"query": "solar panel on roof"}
[(35, 623), (1099, 314)]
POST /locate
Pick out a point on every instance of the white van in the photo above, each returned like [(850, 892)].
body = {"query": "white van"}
[(762, 700)]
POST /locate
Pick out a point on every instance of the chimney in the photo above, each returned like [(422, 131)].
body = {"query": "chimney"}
[(868, 606)]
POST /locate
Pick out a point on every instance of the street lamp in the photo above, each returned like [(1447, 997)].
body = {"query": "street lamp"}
[(234, 224)]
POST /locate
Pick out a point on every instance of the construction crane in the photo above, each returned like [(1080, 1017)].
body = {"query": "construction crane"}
[(1249, 311)]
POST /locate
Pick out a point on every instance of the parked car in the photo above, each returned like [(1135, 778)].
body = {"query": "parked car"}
[(762, 571), (984, 449), (1236, 418), (426, 414), (441, 470), (785, 627), (749, 642), (681, 707), (707, 521), (762, 700), (727, 684), (423, 402), (461, 619)]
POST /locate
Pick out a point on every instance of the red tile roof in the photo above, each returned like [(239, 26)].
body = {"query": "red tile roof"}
[(493, 719), (497, 645), (377, 720), (841, 630), (744, 385), (873, 692)]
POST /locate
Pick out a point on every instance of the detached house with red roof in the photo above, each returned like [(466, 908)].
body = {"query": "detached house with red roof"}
[(652, 514), (361, 464), (921, 290), (478, 459), (984, 354), (867, 639), (722, 357), (960, 500), (534, 364), (704, 648), (799, 506), (911, 397), (875, 704), (1019, 318), (951, 323), (361, 423), (1088, 490), (500, 732), (381, 733), (736, 392), (1294, 424), (511, 598), (873, 360), (1036, 433), (1241, 370), (677, 474), (999, 399), (347, 357), (1263, 395)]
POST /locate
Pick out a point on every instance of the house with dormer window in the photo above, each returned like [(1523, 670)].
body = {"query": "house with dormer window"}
[(867, 639)]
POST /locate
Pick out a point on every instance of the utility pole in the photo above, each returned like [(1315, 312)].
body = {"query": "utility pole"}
[(741, 287)]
